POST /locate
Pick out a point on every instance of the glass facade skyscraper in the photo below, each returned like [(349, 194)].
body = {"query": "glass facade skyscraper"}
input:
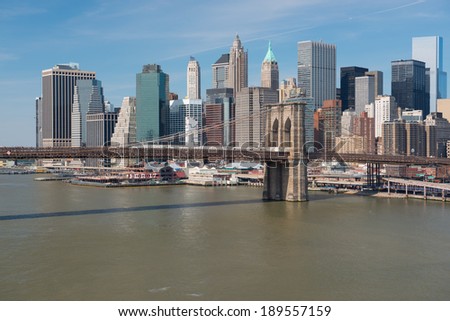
[(186, 121), (88, 98), (317, 70), (430, 51), (348, 75), (409, 84), (152, 105)]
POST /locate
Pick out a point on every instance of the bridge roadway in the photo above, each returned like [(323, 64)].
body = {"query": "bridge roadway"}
[(211, 153)]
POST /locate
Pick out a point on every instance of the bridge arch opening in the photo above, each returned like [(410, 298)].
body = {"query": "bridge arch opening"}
[(274, 136), (287, 133)]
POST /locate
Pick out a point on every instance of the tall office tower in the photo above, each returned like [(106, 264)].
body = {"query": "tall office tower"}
[(100, 128), (193, 79), (152, 91), (443, 106), (186, 120), (251, 115), (269, 70), (348, 75), (378, 75), (327, 124), (58, 85), (364, 126), (219, 116), (125, 130), (288, 88), (430, 51), (364, 92), (213, 125), (87, 98), (385, 111), (409, 85), (442, 131), (220, 72), (347, 122), (238, 67), (317, 70), (38, 121)]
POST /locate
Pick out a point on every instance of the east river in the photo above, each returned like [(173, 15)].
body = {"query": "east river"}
[(64, 242)]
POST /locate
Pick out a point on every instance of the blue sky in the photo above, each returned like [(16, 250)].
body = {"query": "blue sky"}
[(115, 38)]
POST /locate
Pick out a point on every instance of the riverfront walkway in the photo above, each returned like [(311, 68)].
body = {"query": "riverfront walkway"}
[(425, 189)]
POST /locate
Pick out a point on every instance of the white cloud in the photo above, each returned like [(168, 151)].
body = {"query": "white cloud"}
[(7, 56), (12, 12)]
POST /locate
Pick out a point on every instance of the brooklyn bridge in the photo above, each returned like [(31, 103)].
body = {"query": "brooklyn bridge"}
[(208, 154), (284, 154)]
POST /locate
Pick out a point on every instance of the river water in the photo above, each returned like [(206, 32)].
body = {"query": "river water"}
[(64, 242)]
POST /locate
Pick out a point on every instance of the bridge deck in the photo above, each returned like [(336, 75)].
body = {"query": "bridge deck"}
[(207, 152)]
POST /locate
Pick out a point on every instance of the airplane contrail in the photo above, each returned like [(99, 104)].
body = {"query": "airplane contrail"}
[(277, 34)]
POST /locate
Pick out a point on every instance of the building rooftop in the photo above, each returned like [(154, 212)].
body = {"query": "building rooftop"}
[(69, 66), (225, 58)]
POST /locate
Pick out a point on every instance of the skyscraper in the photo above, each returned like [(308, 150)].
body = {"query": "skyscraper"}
[(193, 79), (251, 116), (269, 70), (348, 75), (100, 128), (88, 98), (317, 70), (364, 127), (186, 121), (58, 85), (238, 66), (219, 116), (378, 77), (152, 91), (385, 111), (409, 85), (364, 92), (430, 51), (220, 72), (125, 130)]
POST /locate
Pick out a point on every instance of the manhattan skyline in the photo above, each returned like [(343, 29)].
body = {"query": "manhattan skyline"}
[(115, 40)]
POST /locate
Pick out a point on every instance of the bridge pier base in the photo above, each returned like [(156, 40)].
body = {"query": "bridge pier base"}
[(286, 181)]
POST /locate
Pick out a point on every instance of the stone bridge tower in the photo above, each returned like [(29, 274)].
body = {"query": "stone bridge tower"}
[(285, 128)]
